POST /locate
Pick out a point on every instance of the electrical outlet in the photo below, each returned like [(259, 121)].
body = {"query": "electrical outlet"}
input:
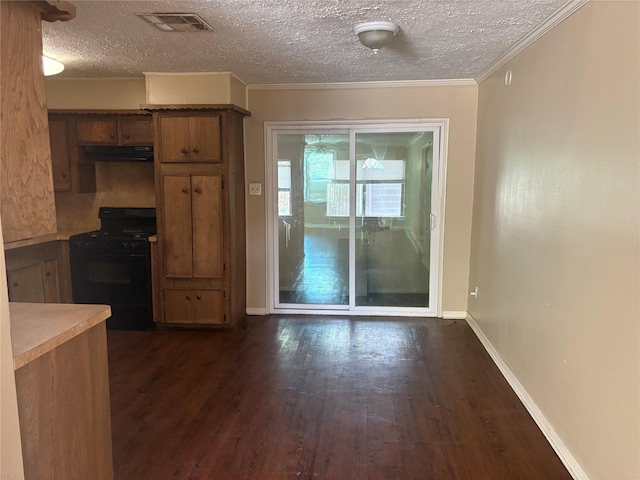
[(255, 189)]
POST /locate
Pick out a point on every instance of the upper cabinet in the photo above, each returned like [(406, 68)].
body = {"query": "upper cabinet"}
[(135, 130), (60, 154), (115, 130), (189, 139), (26, 179), (71, 130), (70, 172)]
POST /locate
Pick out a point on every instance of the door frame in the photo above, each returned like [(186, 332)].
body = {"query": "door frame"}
[(440, 128)]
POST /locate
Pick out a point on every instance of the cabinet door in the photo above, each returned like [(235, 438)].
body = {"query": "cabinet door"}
[(206, 201), (97, 130), (50, 281), (174, 138), (25, 284), (178, 239), (204, 139), (135, 130), (60, 159), (178, 306), (208, 307)]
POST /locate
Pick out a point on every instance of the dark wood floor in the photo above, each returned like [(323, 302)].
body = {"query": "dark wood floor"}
[(321, 398)]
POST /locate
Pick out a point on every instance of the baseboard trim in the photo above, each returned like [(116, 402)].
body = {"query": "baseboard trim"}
[(552, 437), (454, 315), (256, 311)]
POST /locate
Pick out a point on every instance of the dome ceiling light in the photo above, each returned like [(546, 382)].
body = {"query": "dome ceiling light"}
[(51, 66), (376, 35)]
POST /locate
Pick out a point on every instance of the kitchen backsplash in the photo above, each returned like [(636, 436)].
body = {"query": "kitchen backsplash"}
[(117, 185)]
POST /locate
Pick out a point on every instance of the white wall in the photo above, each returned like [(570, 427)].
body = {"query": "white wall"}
[(555, 242)]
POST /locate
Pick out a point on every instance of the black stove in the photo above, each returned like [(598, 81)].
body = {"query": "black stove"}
[(113, 266), (121, 229)]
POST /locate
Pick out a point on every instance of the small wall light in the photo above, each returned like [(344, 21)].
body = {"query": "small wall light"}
[(51, 66), (376, 35)]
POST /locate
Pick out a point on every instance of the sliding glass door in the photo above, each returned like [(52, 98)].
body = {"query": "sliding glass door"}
[(313, 219), (392, 219), (352, 218)]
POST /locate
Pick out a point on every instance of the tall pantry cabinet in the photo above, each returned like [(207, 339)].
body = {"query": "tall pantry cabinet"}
[(199, 168)]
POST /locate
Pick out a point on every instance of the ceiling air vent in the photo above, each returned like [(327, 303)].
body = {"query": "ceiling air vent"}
[(177, 22)]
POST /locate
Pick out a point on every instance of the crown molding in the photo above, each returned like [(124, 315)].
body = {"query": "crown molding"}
[(356, 85), (195, 74), (559, 16), (91, 79)]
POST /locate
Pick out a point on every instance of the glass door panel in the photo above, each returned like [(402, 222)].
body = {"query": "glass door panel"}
[(313, 219), (392, 212)]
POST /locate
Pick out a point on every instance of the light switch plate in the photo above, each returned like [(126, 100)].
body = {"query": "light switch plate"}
[(255, 189)]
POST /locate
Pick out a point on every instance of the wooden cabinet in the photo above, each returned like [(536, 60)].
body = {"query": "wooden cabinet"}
[(97, 130), (115, 130), (26, 185), (135, 130), (70, 172), (201, 226), (70, 129), (62, 387), (194, 225), (199, 307), (37, 274), (60, 155), (190, 139)]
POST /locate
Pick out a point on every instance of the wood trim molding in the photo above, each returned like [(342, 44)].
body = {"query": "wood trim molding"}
[(257, 311), (54, 10), (356, 85), (545, 426), (202, 106), (454, 315), (58, 111)]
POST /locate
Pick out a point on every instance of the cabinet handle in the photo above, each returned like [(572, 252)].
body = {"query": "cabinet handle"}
[(188, 297), (47, 274), (198, 297), (184, 190), (112, 136), (197, 190), (184, 151), (15, 284), (126, 136), (195, 150), (64, 175)]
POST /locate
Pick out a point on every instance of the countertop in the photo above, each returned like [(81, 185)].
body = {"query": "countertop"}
[(42, 239), (38, 328)]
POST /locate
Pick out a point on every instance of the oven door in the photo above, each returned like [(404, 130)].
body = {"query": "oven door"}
[(110, 278)]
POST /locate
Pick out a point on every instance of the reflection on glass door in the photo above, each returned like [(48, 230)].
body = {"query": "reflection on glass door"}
[(353, 218), (313, 219)]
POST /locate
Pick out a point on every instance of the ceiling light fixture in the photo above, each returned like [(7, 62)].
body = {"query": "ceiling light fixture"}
[(51, 66), (376, 35)]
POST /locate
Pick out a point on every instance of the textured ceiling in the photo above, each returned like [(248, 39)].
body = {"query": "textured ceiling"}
[(294, 41)]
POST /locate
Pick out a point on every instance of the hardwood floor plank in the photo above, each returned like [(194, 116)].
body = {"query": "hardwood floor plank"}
[(319, 398)]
